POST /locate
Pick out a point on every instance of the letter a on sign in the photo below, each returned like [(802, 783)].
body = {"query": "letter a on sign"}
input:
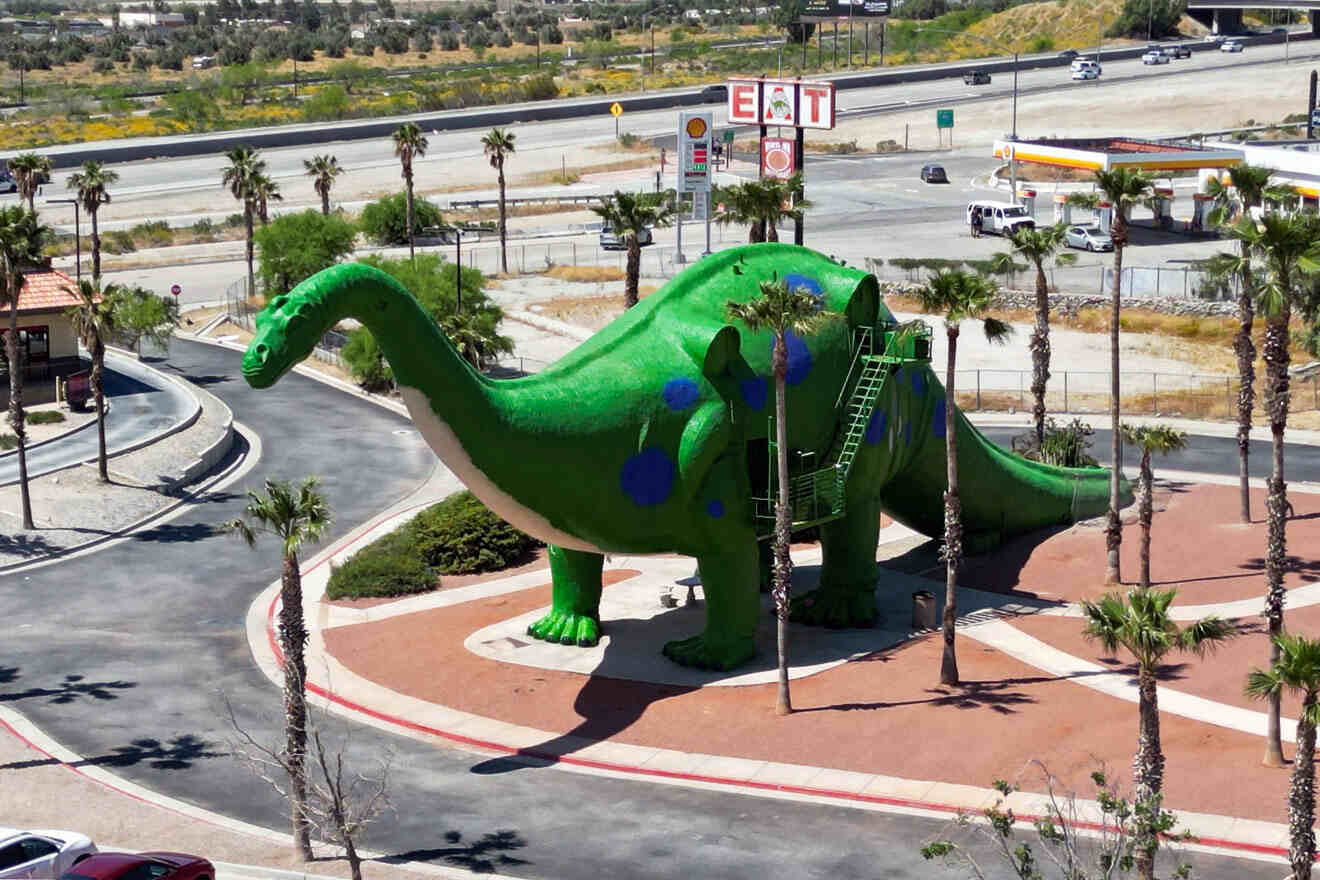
[(779, 104)]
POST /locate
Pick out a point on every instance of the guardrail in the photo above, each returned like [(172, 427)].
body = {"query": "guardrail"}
[(530, 200)]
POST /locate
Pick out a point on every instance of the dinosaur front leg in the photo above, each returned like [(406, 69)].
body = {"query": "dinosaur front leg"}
[(574, 617), (846, 596), (729, 580)]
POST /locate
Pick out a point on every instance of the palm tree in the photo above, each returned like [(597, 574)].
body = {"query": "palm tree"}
[(409, 144), (1038, 245), (1123, 187), (93, 322), (1297, 669), (296, 516), (739, 204), (323, 170), (1150, 439), (1248, 188), (1288, 247), (781, 311), (264, 191), (629, 215), (91, 181), (473, 334), (497, 144), (29, 169), (1142, 625), (21, 239), (775, 198), (959, 296), (245, 166)]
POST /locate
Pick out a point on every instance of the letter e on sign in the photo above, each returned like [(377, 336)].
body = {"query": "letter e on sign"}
[(744, 101), (816, 105)]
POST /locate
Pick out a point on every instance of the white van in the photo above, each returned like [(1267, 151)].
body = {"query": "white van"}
[(1000, 217), (1085, 68)]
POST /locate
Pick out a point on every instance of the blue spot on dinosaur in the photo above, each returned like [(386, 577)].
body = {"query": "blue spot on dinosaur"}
[(799, 358), (937, 420), (680, 394), (907, 433), (918, 382), (754, 392), (875, 428), (811, 285), (648, 478), (715, 508)]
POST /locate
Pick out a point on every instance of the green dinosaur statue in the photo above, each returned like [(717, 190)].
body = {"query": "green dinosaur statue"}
[(652, 437)]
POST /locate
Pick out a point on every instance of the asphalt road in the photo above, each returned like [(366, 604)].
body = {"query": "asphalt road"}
[(125, 654), (140, 405)]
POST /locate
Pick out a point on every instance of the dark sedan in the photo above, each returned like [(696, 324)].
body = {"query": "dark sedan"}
[(143, 866)]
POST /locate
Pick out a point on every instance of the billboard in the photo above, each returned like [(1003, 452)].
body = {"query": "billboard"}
[(695, 132), (816, 10)]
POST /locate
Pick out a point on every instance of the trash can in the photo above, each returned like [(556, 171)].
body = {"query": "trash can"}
[(924, 612)]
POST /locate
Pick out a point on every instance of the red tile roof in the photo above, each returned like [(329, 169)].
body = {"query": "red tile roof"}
[(46, 289)]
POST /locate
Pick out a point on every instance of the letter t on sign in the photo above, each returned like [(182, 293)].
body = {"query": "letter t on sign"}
[(817, 105), (744, 101)]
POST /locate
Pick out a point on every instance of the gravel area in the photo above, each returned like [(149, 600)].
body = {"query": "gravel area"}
[(71, 507)]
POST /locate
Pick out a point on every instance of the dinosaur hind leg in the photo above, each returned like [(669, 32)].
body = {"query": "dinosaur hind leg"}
[(574, 617), (846, 596), (729, 581)]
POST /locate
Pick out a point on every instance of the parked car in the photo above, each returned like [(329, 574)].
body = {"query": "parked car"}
[(609, 241), (934, 174), (1155, 57), (41, 853), (714, 94), (143, 866), (8, 184), (1230, 46), (1177, 51), (1000, 217), (1068, 54), (1088, 238), (976, 78)]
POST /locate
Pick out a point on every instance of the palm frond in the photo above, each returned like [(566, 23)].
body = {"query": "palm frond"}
[(996, 331)]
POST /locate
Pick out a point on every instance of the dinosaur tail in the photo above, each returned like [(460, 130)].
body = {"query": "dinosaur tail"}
[(1002, 494)]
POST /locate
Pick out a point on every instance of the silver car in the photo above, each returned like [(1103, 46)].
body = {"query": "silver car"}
[(41, 853), (1088, 238)]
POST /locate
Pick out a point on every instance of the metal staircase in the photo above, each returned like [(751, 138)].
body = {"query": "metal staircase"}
[(819, 495)]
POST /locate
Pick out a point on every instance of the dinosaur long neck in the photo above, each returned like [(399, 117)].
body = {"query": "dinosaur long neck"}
[(474, 424)]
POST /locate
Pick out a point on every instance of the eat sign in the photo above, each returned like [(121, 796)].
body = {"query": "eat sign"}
[(781, 102)]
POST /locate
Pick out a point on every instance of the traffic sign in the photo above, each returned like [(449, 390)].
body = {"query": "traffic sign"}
[(727, 136), (944, 118), (176, 289), (616, 109)]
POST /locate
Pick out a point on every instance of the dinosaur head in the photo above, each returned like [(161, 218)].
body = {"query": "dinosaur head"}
[(287, 331)]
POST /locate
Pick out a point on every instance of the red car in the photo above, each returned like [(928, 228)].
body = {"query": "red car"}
[(142, 866)]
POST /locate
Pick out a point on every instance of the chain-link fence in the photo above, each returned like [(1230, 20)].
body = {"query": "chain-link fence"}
[(242, 308), (1187, 395)]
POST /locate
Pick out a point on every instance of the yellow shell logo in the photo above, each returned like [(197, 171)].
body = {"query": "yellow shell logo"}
[(696, 127)]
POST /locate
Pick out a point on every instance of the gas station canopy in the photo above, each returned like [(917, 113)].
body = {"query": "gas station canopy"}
[(1105, 154)]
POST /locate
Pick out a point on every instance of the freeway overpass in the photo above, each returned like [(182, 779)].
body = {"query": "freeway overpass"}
[(1225, 16)]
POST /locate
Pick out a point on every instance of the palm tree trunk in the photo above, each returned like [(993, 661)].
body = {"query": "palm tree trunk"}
[(293, 639), (1114, 525), (1246, 358), (325, 202), (634, 272), (412, 251), (952, 521), (783, 523), (1301, 796), (756, 234), (16, 413), (504, 254), (1040, 353), (1148, 771), (1145, 507), (247, 218), (1276, 503), (98, 395), (96, 247), (771, 231)]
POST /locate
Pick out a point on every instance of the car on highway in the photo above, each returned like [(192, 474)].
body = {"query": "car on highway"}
[(7, 184), (1230, 46), (1088, 238), (1068, 54), (1155, 56), (41, 853), (714, 94), (934, 174), (1280, 31), (1212, 38), (1085, 70), (143, 866), (611, 241), (976, 78), (1177, 51)]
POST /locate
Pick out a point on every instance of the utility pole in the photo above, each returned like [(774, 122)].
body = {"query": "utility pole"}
[(1310, 109)]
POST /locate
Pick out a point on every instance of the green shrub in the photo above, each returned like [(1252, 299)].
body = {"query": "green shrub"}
[(8, 442), (1067, 445), (45, 417), (118, 241), (204, 229), (388, 566), (385, 221), (365, 361), (154, 233), (460, 535)]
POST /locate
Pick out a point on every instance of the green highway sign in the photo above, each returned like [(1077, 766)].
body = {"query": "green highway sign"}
[(728, 135), (944, 118)]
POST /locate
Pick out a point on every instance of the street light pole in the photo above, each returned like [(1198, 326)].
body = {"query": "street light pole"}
[(1012, 162)]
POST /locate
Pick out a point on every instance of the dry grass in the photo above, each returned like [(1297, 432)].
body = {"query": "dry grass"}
[(527, 210), (585, 273)]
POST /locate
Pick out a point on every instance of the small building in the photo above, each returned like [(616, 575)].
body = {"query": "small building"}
[(47, 345)]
